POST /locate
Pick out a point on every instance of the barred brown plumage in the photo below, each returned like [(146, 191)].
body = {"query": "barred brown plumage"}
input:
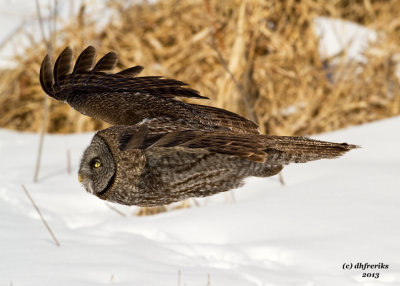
[(163, 150)]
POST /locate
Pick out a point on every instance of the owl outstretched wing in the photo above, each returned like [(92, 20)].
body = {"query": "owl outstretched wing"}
[(65, 80), (258, 148), (123, 98)]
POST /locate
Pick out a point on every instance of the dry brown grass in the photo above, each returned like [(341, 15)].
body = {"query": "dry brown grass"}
[(269, 46)]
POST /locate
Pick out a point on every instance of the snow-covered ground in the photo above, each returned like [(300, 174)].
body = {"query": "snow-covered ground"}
[(329, 213)]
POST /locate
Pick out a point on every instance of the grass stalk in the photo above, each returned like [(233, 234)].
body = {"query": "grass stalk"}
[(41, 216)]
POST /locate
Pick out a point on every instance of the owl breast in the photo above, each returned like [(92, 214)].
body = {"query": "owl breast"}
[(173, 176)]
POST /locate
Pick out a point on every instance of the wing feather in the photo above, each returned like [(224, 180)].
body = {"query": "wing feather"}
[(46, 75), (83, 78), (259, 148), (62, 66), (106, 63), (85, 61), (132, 71)]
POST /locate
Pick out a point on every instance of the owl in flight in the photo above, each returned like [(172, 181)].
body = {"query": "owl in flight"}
[(160, 149)]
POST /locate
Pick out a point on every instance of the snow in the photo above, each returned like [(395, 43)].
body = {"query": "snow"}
[(337, 35), (330, 212)]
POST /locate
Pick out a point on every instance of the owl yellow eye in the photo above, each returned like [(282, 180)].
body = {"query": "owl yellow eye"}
[(96, 163)]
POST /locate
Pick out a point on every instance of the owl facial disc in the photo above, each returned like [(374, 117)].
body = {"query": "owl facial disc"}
[(97, 168)]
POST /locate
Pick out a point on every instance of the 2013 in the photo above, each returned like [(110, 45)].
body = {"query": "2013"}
[(370, 275)]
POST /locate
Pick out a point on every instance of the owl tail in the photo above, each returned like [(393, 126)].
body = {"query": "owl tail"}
[(285, 150)]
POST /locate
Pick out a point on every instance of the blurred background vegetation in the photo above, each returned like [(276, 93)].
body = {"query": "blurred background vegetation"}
[(258, 58)]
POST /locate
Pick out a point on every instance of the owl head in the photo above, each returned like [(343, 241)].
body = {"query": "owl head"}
[(97, 169)]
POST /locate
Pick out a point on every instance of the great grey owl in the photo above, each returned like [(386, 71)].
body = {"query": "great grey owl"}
[(162, 150)]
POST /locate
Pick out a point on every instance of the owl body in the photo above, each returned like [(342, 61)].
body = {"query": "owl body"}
[(161, 149), (161, 175), (145, 166)]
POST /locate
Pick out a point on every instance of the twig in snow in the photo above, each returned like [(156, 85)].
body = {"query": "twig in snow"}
[(49, 45), (195, 202), (281, 180), (233, 196), (208, 280), (179, 277), (230, 197), (116, 210), (68, 162), (43, 129), (41, 217), (41, 139)]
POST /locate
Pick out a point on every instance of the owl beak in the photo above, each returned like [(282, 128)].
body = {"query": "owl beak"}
[(79, 178)]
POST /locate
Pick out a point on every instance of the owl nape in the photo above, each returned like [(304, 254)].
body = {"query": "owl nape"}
[(161, 149)]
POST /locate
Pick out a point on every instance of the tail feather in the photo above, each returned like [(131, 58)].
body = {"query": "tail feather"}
[(301, 149)]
